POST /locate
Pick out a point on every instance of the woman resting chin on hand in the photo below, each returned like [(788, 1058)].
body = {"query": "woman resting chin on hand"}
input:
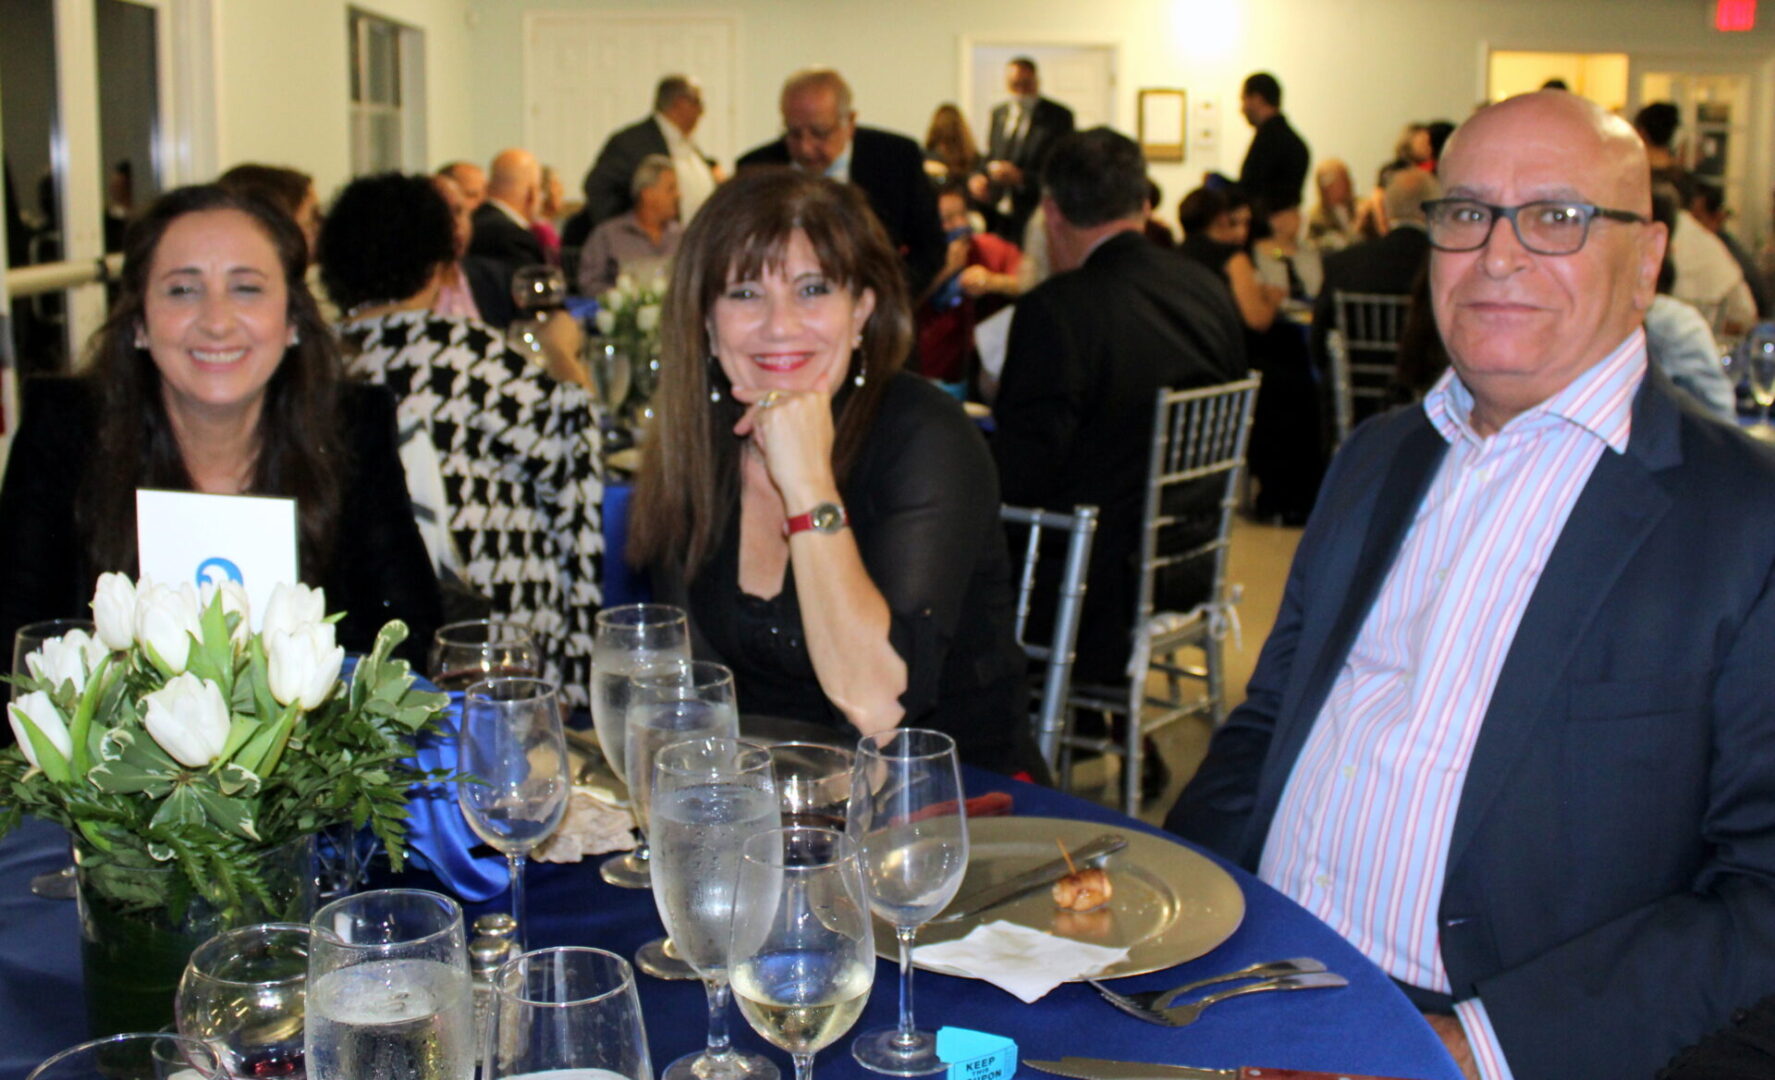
[(830, 523)]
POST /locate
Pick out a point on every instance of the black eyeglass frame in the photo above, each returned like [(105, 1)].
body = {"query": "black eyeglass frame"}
[(1590, 212)]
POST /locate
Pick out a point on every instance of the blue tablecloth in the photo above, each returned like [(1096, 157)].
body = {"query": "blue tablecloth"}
[(1367, 1027)]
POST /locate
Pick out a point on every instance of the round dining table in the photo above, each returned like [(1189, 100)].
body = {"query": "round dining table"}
[(1367, 1027)]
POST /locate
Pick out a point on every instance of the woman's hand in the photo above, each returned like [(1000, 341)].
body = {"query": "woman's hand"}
[(792, 431)]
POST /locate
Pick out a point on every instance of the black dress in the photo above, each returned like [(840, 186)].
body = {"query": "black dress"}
[(379, 570), (923, 504)]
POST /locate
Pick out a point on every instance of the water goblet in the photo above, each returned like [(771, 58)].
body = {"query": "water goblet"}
[(464, 653), (515, 754), (1757, 352), (709, 795), (802, 956), (907, 818), (628, 638), (51, 884), (566, 1014), (388, 989), (244, 992), (143, 1056)]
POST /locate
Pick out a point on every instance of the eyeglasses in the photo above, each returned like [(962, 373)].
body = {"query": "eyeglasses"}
[(1544, 227)]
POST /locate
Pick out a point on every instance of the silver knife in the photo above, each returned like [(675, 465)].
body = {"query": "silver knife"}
[(1103, 1069), (1029, 880)]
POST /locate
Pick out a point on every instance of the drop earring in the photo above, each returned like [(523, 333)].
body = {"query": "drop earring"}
[(714, 380), (858, 362)]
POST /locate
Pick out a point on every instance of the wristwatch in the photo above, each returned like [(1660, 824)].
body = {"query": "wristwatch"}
[(826, 517)]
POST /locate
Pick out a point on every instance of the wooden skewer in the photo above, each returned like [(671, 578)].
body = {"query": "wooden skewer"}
[(1067, 855)]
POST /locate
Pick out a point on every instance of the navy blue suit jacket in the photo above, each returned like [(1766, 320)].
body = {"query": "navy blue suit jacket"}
[(1610, 892)]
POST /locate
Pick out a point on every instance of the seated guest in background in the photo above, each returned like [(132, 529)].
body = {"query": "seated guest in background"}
[(1332, 224), (548, 212), (1707, 205), (1156, 231), (1707, 275), (1216, 231), (212, 373), (502, 233), (1283, 260), (830, 522), (455, 295), (1657, 124), (981, 268), (950, 153), (287, 189), (822, 138), (1090, 349), (677, 106), (516, 451), (1678, 338), (1023, 133), (471, 178), (641, 241), (1510, 733)]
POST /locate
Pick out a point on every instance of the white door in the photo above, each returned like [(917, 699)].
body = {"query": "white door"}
[(586, 75), (1081, 77)]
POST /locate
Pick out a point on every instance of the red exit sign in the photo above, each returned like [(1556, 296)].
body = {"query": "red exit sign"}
[(1734, 14)]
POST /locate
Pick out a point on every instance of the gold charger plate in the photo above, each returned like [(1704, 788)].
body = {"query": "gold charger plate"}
[(1168, 903)]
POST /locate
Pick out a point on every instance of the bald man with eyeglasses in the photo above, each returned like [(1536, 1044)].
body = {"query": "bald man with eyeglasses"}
[(1514, 732)]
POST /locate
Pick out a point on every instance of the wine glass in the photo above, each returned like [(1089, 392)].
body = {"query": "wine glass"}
[(802, 957), (907, 818), (143, 1056), (244, 992), (1758, 354), (709, 795), (813, 783), (51, 884), (670, 701), (628, 638), (388, 989), (536, 291), (513, 750), (566, 1013), (464, 653)]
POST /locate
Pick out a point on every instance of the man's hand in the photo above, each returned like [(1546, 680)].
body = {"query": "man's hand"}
[(1004, 172), (1454, 1038), (978, 188)]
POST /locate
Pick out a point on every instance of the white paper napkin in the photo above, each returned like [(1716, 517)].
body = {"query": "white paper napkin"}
[(1026, 962)]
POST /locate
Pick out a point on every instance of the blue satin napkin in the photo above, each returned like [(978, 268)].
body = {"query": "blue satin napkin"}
[(438, 836)]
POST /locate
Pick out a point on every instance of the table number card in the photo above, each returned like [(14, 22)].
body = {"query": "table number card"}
[(182, 536)]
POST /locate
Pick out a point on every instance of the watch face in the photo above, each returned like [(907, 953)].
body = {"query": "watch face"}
[(828, 517)]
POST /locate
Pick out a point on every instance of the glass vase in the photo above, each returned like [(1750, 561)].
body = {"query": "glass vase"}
[(140, 921)]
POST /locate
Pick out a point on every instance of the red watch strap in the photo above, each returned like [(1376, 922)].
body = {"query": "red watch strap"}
[(805, 522)]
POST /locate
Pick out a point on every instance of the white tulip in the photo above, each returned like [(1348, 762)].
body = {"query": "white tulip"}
[(166, 621), (114, 610), (606, 319), (304, 665), (293, 608), (70, 657), (43, 715), (647, 319), (658, 285), (189, 719), (234, 602), (625, 283)]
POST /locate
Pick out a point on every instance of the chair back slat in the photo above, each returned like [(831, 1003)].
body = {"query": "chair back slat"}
[(1365, 324), (1056, 654)]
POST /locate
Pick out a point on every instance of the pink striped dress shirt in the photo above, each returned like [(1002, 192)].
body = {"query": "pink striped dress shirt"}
[(1361, 835)]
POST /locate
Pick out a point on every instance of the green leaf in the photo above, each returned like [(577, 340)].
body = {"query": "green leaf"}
[(122, 778), (49, 756), (234, 815), (240, 729), (235, 780), (180, 808)]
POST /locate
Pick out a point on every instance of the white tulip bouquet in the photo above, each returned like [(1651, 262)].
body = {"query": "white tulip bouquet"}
[(177, 736)]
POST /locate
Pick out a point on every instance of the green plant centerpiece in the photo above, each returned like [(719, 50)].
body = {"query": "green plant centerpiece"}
[(628, 320), (193, 760)]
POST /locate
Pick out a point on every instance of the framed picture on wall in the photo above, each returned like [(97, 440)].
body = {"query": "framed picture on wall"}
[(1163, 124)]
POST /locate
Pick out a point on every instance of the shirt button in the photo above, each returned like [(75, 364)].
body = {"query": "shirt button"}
[(1323, 881), (1440, 576), (1349, 772)]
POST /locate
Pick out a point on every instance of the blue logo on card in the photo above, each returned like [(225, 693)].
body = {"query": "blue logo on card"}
[(216, 570)]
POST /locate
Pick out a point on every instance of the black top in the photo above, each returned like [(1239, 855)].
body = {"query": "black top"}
[(1049, 122), (1275, 168), (923, 504), (379, 570)]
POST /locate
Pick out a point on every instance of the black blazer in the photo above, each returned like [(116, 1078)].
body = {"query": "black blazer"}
[(890, 170), (1088, 353), (379, 569), (1275, 167), (606, 183), (1049, 122), (1389, 265), (1610, 883), (503, 240)]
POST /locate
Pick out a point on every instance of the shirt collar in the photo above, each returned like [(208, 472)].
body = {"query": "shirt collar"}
[(674, 137), (517, 218), (1599, 400), (840, 169)]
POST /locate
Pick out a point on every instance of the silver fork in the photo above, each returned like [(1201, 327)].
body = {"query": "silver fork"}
[(1151, 1000), (1183, 1015)]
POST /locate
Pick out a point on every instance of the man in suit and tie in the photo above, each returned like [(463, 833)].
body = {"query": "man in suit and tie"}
[(677, 106), (502, 236), (1089, 350), (822, 136), (1024, 131), (1511, 734), (1275, 166)]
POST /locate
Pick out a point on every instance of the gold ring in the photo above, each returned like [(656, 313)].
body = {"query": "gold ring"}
[(770, 399)]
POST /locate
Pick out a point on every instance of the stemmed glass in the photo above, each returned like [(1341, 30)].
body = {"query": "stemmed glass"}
[(156, 1056), (51, 884), (1758, 353), (670, 701), (244, 992), (709, 795), (515, 755), (566, 1013), (813, 783), (803, 949), (388, 989), (464, 653), (628, 639), (907, 818), (536, 291)]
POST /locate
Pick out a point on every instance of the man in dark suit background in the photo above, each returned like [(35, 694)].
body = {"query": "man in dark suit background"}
[(1089, 350), (1275, 167), (1511, 732), (677, 106), (822, 137), (1024, 131), (502, 237)]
